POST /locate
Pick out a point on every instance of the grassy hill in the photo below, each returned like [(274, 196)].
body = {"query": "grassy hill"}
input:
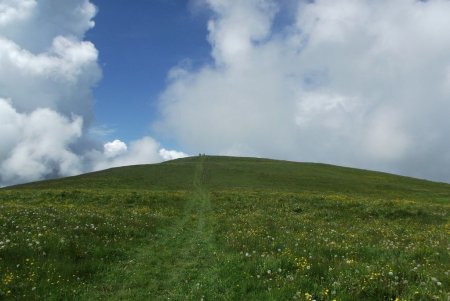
[(240, 173), (226, 228)]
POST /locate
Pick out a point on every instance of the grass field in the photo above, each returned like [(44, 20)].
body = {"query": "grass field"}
[(223, 228)]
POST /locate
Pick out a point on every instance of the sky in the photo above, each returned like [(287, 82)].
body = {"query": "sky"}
[(138, 44), (93, 84)]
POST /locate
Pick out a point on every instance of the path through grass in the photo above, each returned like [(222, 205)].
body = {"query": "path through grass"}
[(213, 228), (171, 267)]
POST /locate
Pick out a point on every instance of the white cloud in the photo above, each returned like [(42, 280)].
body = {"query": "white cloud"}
[(114, 148), (60, 79), (143, 151), (350, 82), (236, 26), (36, 145), (33, 25), (47, 74), (386, 139), (13, 10), (171, 154)]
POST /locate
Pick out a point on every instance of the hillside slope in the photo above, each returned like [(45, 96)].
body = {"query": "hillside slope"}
[(223, 228), (224, 173)]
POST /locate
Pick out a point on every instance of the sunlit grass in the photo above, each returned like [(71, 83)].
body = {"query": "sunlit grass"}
[(53, 243), (226, 229), (304, 247)]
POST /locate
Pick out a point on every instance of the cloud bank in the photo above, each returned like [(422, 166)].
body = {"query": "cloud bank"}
[(47, 72), (351, 82)]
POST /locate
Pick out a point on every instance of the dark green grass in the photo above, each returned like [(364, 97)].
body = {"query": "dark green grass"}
[(270, 175), (173, 175), (222, 228), (231, 173)]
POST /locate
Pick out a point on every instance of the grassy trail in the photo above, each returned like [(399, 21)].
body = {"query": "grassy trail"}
[(174, 266), (220, 228)]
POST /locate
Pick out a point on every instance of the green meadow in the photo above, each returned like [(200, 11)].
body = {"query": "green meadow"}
[(225, 228)]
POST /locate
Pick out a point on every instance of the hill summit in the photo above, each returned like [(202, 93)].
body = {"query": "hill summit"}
[(221, 172)]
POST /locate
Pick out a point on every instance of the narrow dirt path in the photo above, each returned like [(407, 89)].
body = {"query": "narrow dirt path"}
[(172, 268)]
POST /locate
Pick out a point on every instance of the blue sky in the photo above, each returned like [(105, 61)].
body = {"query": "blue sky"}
[(92, 84), (139, 42)]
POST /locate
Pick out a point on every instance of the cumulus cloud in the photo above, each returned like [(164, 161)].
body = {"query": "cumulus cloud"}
[(142, 151), (11, 10), (33, 24), (350, 82), (114, 148), (171, 154), (37, 144), (47, 72)]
